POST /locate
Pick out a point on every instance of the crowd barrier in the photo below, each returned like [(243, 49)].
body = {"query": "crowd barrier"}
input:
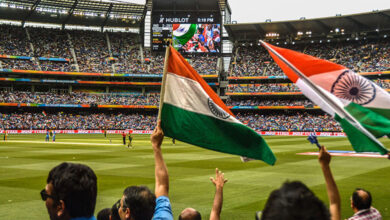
[(270, 133)]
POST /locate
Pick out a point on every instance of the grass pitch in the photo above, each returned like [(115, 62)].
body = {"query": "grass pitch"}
[(25, 161)]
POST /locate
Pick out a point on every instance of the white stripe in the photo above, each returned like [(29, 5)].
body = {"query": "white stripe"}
[(189, 95), (326, 80), (312, 95), (382, 99), (181, 30)]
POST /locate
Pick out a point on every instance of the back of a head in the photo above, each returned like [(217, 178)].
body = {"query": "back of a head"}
[(76, 185), (294, 201), (141, 202), (104, 214), (190, 214), (361, 199)]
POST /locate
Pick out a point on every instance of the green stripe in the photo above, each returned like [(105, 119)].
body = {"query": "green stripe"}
[(360, 142), (187, 36), (214, 134), (376, 121)]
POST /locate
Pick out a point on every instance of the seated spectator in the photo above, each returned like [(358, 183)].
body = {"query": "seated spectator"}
[(361, 206), (70, 192), (219, 182)]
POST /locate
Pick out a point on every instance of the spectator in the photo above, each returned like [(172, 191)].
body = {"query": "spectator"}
[(70, 192), (361, 206), (295, 201), (219, 182), (137, 203), (104, 214), (163, 206)]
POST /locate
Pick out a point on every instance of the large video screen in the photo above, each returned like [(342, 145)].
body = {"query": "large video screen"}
[(187, 32), (196, 38)]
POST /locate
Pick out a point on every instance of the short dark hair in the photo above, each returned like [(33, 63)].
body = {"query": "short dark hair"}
[(294, 201), (75, 184), (359, 201), (141, 202), (104, 214), (114, 212)]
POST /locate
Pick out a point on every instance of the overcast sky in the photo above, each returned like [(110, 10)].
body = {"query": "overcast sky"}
[(280, 10)]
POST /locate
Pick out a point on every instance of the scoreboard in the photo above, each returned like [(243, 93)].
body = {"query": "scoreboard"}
[(162, 26)]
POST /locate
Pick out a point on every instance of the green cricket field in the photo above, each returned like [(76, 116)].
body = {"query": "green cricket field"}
[(25, 161)]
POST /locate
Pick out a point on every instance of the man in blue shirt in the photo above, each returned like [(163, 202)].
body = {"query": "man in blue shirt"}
[(163, 209), (70, 192), (138, 202)]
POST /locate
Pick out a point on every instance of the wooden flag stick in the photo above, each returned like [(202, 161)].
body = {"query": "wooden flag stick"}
[(164, 78)]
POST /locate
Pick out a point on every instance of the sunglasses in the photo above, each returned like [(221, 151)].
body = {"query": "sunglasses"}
[(44, 195)]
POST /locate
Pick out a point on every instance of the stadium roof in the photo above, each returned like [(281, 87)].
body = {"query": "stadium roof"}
[(319, 27), (80, 12), (186, 6)]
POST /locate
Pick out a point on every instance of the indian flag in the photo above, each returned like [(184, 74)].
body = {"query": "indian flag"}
[(190, 111), (361, 107), (182, 33)]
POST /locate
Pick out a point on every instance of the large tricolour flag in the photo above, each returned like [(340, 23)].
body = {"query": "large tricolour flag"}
[(190, 111), (361, 107)]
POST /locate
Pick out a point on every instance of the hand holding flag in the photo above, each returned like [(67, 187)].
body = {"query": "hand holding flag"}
[(313, 140)]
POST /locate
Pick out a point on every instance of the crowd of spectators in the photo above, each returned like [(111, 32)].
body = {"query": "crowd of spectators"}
[(265, 102), (204, 65), (271, 87), (18, 64), (49, 42), (37, 121), (91, 51), (284, 122), (359, 56), (254, 61), (80, 98), (270, 122), (14, 41), (383, 83)]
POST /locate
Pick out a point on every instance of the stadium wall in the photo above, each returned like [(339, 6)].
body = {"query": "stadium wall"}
[(266, 133)]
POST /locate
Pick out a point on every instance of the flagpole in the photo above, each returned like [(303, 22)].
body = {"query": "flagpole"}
[(164, 78), (323, 96)]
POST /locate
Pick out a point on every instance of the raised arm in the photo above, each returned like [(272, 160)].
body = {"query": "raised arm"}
[(219, 182), (331, 187), (161, 171)]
